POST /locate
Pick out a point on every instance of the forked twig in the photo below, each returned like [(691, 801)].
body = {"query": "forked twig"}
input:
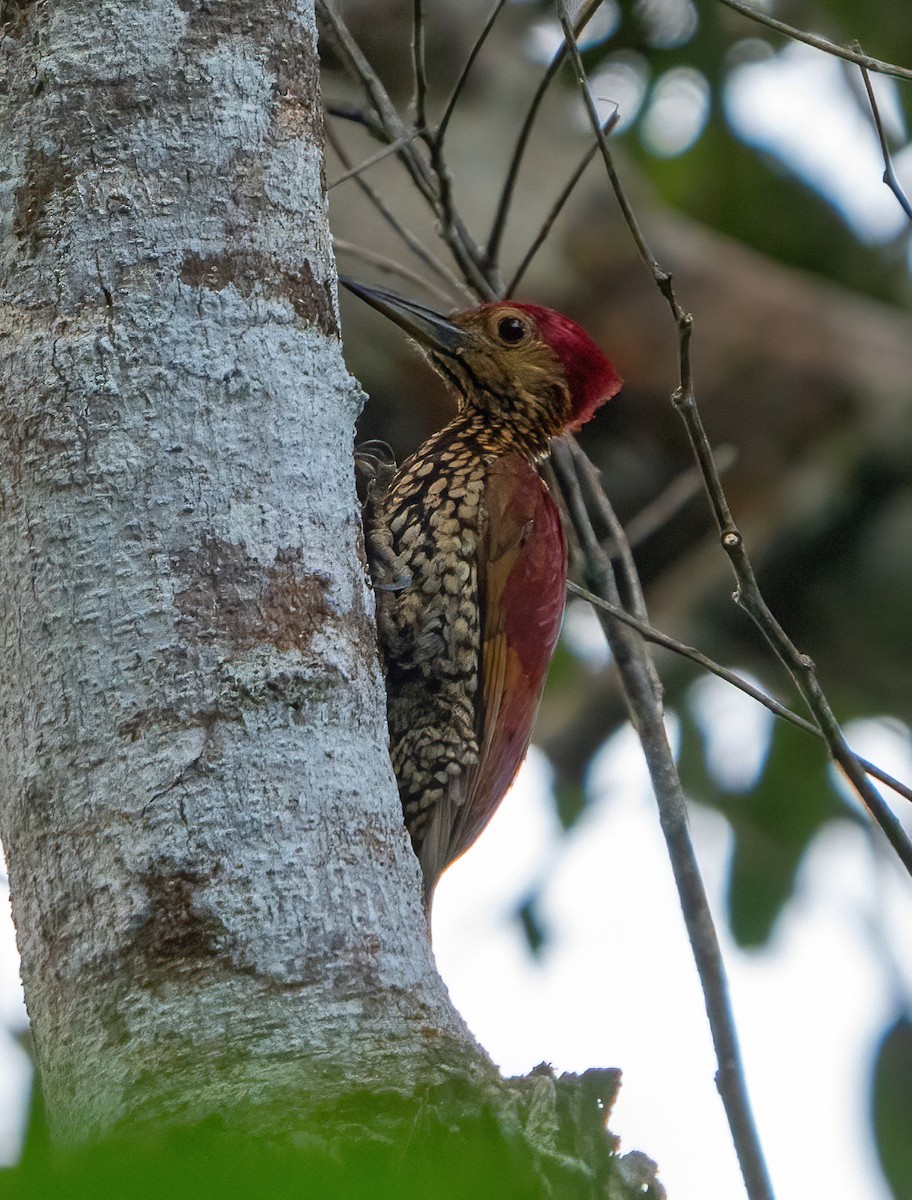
[(889, 175), (658, 638)]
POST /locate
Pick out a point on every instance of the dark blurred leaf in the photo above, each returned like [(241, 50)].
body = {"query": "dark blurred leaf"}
[(695, 777), (570, 799), (891, 1107), (535, 932), (772, 824), (564, 665)]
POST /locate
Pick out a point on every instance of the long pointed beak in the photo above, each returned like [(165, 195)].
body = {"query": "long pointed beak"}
[(427, 327)]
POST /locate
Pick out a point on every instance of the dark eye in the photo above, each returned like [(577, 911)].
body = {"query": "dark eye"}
[(511, 330)]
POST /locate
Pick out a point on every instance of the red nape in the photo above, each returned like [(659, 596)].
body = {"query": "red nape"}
[(590, 373)]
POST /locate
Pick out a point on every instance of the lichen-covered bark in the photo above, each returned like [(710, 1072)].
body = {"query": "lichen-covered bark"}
[(216, 903)]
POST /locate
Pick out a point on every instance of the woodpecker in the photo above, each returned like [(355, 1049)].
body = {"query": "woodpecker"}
[(469, 559)]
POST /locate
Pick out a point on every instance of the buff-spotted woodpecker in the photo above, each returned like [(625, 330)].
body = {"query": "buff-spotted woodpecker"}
[(469, 560)]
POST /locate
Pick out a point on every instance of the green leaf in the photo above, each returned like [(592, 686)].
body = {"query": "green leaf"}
[(891, 1106)]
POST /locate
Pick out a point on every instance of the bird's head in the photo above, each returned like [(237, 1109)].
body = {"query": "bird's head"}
[(532, 366)]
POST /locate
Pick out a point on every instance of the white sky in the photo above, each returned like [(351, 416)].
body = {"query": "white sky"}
[(798, 105), (616, 985)]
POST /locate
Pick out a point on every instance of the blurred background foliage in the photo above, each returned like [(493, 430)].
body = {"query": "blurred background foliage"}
[(753, 166)]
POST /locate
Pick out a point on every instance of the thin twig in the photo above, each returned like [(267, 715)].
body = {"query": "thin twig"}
[(889, 175), (662, 278), (557, 207), (509, 185), (495, 238), (634, 666), (658, 638), (682, 489), (431, 261), (421, 84), (352, 172), (747, 594), (819, 43), (464, 73), (600, 502), (467, 254), (801, 668), (357, 116), (392, 267), (434, 142)]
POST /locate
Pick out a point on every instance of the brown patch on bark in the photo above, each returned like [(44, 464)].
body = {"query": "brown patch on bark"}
[(233, 596), (250, 271), (175, 934), (312, 301), (211, 271), (162, 719), (297, 88), (45, 176)]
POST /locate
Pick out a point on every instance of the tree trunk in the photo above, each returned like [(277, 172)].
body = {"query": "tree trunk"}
[(217, 907)]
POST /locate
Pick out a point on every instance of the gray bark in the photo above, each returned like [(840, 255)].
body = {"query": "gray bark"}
[(216, 904)]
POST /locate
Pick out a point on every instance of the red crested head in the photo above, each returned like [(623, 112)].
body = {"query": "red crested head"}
[(591, 376), (501, 353)]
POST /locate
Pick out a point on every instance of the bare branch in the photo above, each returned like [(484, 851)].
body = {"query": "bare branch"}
[(374, 158), (464, 74), (392, 268), (421, 85), (747, 594), (634, 665), (800, 666), (889, 175), (819, 43), (431, 261), (651, 634), (506, 195), (557, 207)]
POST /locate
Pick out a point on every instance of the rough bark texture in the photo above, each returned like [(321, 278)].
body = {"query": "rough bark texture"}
[(216, 903)]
